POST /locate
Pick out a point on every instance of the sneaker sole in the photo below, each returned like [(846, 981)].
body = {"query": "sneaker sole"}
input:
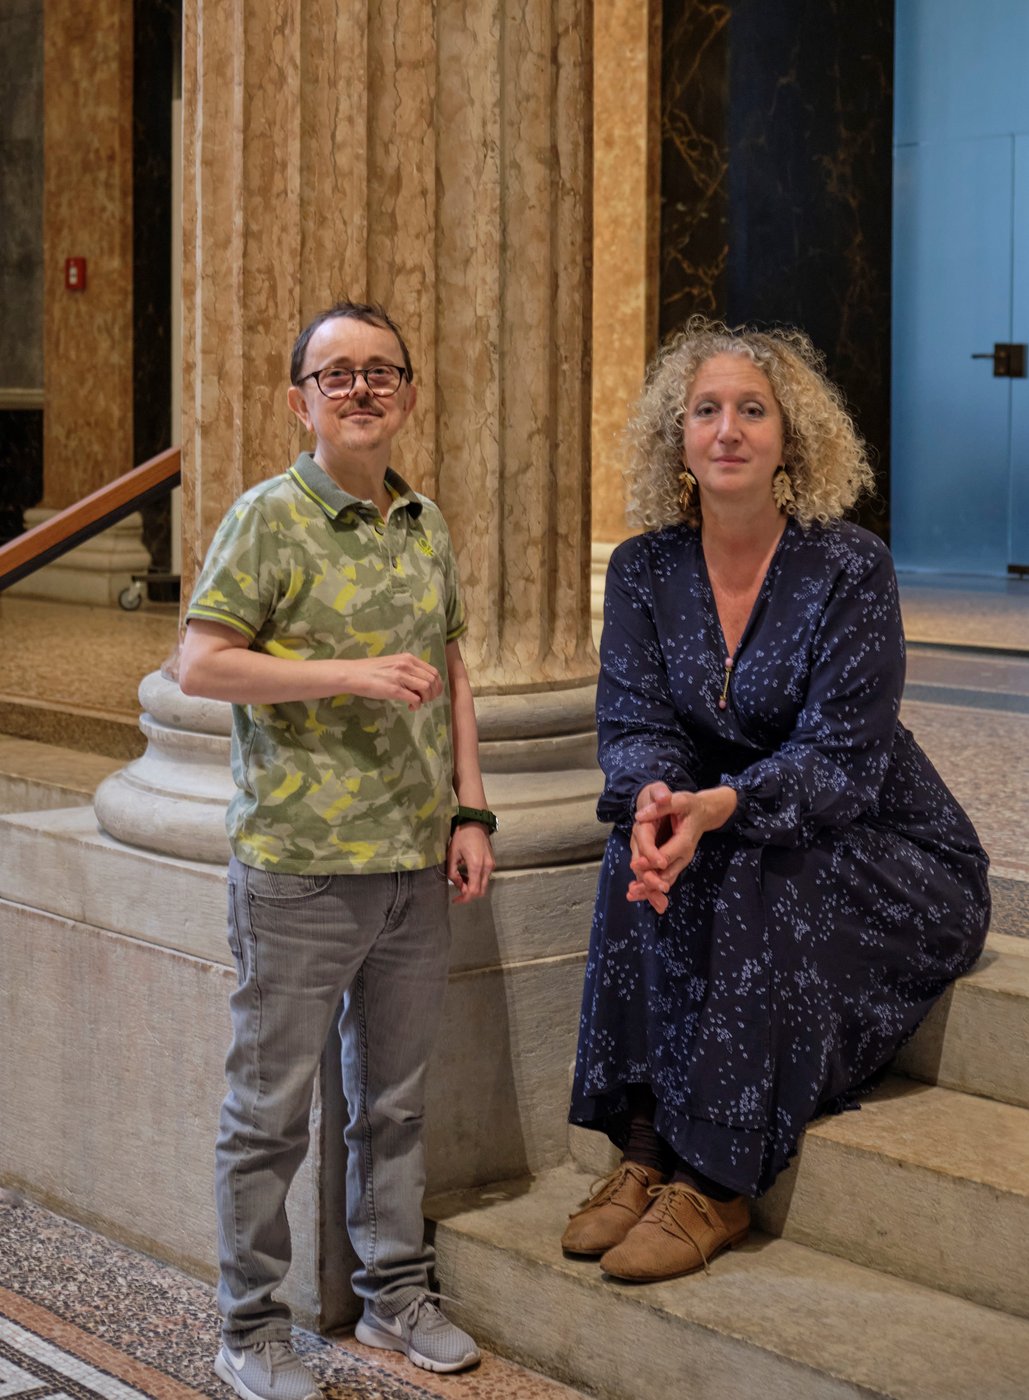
[(229, 1376), (386, 1341)]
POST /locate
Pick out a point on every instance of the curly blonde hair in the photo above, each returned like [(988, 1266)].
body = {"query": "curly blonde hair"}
[(826, 459)]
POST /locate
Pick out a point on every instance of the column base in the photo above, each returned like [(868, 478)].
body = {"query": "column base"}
[(94, 572), (538, 758)]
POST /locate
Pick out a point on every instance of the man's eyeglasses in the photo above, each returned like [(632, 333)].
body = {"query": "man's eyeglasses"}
[(335, 382)]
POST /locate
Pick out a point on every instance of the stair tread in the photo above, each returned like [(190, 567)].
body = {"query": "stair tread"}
[(50, 763), (942, 1130), (811, 1308)]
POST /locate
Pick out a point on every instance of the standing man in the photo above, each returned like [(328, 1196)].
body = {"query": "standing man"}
[(328, 613)]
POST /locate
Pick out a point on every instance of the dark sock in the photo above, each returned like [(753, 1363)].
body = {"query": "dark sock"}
[(643, 1144), (689, 1176)]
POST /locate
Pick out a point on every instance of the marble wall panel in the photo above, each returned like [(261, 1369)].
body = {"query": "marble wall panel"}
[(695, 101), (627, 39), (21, 194), (810, 138), (87, 213)]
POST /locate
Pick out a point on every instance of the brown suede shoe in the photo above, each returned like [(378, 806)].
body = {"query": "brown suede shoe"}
[(613, 1207), (680, 1232)]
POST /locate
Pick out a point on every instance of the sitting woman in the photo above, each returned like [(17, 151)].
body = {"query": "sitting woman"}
[(789, 885)]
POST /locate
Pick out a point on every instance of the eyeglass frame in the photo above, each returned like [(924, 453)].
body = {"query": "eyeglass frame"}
[(361, 370)]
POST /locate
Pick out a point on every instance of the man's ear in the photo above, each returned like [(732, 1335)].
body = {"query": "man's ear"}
[(412, 399), (297, 402)]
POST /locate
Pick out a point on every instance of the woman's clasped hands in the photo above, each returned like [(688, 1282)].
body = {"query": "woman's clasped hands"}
[(665, 835)]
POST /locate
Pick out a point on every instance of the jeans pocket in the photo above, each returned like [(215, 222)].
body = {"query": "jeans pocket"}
[(283, 888), (237, 914)]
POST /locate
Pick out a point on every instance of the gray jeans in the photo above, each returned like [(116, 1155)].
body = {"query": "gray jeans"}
[(303, 944)]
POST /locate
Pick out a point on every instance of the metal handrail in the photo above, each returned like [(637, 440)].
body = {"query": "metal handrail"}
[(88, 517)]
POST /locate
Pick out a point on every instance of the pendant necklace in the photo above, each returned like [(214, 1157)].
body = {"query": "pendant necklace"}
[(723, 699)]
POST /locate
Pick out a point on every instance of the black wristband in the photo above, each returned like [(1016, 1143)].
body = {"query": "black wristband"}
[(482, 815)]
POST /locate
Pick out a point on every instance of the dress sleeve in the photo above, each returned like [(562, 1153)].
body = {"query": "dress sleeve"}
[(641, 736), (831, 768)]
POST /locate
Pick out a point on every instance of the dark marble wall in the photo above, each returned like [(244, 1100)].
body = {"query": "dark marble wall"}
[(21, 194), (21, 256), (157, 26), (21, 467), (805, 127), (694, 213)]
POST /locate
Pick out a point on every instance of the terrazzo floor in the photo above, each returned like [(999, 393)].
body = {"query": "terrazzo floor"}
[(81, 1318), (966, 612)]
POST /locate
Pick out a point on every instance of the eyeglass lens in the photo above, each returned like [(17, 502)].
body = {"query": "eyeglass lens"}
[(382, 380)]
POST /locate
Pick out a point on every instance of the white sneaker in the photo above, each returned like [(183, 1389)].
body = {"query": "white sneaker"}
[(422, 1333), (269, 1370)]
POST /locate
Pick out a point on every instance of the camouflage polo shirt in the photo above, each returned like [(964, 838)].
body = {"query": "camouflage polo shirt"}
[(304, 570)]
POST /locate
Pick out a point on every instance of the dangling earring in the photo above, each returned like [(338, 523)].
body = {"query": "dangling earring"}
[(782, 491), (688, 484)]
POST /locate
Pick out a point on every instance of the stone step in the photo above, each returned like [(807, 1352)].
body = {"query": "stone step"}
[(774, 1320), (925, 1183), (86, 730), (976, 1038), (1010, 893), (37, 777)]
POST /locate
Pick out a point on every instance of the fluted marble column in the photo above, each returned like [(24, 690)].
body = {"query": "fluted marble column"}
[(435, 157), (626, 176)]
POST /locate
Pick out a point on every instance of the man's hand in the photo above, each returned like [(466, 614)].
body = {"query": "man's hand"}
[(666, 833), (470, 861), (402, 677)]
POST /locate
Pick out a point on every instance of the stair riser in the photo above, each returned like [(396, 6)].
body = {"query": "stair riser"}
[(946, 1232), (1010, 906), (606, 1337), (976, 1040), (27, 795)]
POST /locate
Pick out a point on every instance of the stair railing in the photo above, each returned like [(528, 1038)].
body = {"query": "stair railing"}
[(88, 517)]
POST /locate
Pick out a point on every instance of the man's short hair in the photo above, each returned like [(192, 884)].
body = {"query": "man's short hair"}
[(371, 312)]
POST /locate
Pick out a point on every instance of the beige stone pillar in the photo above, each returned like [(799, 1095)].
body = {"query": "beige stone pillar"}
[(435, 157), (626, 181), (87, 331), (87, 213)]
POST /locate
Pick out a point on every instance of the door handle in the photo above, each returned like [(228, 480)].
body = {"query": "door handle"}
[(1008, 360)]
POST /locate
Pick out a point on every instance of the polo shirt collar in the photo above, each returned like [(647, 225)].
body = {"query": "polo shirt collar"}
[(333, 500)]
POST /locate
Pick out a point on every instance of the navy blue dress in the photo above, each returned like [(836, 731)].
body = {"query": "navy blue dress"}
[(811, 934)]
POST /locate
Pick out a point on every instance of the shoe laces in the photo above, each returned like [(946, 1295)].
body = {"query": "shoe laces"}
[(662, 1213), (276, 1354), (425, 1308), (605, 1187)]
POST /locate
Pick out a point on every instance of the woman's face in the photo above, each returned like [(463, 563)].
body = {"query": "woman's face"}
[(732, 430)]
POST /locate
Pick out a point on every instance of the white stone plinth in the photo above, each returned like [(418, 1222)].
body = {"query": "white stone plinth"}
[(114, 1024), (538, 757), (94, 572)]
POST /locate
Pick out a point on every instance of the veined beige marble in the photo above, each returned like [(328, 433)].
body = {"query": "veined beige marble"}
[(87, 212), (435, 157), (625, 174)]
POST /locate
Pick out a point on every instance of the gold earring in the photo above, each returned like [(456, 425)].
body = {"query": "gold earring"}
[(688, 484), (782, 491)]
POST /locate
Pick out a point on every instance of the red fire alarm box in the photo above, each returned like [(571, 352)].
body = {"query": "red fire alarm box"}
[(75, 274)]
